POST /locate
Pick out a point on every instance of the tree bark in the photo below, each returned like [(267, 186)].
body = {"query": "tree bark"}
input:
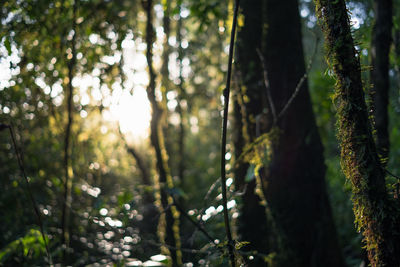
[(252, 221), (380, 48), (169, 217), (292, 181), (375, 212)]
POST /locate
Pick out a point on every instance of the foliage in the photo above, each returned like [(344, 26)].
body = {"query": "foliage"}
[(111, 219), (24, 251)]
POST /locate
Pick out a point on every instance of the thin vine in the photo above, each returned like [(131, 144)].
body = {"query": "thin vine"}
[(226, 93), (28, 188)]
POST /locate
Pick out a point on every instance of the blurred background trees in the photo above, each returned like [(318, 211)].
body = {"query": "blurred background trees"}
[(117, 116)]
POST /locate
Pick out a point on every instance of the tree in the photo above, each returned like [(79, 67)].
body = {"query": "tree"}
[(68, 170), (292, 175), (380, 48), (376, 214), (169, 216)]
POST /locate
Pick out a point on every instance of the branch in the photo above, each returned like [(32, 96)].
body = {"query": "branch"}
[(188, 250), (296, 90), (300, 83), (33, 201), (267, 86), (393, 175), (224, 130), (196, 224), (141, 163)]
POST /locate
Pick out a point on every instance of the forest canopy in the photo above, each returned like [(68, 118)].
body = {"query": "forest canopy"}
[(200, 133)]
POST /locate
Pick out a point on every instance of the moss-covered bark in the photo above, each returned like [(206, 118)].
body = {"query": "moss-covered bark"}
[(169, 217), (376, 215)]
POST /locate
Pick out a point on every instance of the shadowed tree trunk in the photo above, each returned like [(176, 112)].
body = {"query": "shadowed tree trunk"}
[(380, 48), (292, 181), (169, 216), (248, 104), (376, 214)]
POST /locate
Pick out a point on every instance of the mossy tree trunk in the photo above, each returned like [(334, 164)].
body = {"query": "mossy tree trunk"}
[(292, 181), (252, 222), (169, 216), (376, 215), (380, 48)]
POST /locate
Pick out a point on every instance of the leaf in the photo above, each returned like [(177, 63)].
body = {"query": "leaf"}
[(176, 192), (239, 245), (7, 44), (250, 175)]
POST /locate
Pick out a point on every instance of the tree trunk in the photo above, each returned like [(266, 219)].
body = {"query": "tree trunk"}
[(169, 216), (292, 181), (376, 215), (68, 173), (148, 226), (252, 222), (380, 48)]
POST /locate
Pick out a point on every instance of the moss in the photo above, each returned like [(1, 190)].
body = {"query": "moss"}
[(374, 211)]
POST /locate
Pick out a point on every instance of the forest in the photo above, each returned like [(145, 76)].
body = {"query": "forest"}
[(200, 133)]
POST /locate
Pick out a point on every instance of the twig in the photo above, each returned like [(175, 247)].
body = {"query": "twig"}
[(391, 174), (196, 224), (208, 194), (267, 86), (205, 200), (188, 250), (224, 130), (33, 201), (296, 90), (300, 83)]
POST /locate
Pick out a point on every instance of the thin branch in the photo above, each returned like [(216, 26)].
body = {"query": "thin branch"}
[(300, 83), (224, 130), (275, 117), (196, 224), (205, 200), (28, 187), (393, 175), (188, 250), (141, 163), (267, 86)]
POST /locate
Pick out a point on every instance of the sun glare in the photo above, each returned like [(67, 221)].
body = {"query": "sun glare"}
[(133, 112)]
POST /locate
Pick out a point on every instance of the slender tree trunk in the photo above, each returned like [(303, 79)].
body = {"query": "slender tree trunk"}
[(292, 180), (375, 212), (68, 173), (169, 218), (380, 48), (180, 108)]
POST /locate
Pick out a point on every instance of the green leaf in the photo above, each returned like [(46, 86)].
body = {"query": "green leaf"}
[(239, 245), (7, 44), (250, 175)]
